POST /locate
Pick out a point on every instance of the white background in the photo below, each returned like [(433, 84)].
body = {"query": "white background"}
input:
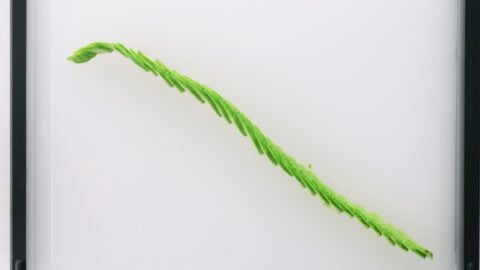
[(126, 173), (4, 133)]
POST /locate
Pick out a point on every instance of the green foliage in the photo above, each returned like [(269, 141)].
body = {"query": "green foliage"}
[(263, 144)]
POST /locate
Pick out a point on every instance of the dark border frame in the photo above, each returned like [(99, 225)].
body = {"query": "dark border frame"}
[(471, 133), (471, 139), (18, 83)]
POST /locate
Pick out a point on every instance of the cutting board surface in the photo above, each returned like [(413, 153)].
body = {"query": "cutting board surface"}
[(126, 173)]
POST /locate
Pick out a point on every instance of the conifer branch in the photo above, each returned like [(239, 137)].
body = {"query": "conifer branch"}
[(263, 144)]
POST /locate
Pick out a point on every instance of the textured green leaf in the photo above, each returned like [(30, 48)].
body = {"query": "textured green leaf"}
[(263, 144)]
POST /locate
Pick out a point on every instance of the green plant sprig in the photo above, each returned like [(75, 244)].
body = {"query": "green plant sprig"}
[(263, 144)]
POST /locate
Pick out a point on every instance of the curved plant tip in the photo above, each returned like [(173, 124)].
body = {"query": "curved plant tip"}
[(86, 53), (263, 144)]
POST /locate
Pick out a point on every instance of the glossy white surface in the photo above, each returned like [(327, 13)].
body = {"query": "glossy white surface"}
[(4, 134), (126, 173)]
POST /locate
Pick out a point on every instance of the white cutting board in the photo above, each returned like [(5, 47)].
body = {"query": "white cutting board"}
[(126, 173)]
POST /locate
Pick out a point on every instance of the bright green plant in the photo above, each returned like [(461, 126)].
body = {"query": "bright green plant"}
[(264, 145)]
